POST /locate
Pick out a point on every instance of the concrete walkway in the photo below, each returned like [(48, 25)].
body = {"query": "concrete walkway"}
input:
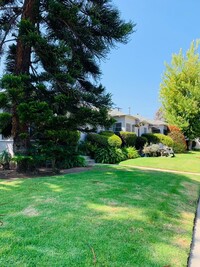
[(194, 259)]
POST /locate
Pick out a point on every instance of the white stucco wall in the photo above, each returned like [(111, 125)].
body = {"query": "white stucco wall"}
[(120, 120), (6, 145), (124, 120), (161, 127), (143, 127), (197, 140)]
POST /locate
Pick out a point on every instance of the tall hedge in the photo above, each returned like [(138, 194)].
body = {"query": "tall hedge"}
[(128, 138), (152, 138), (97, 139), (105, 139), (159, 138), (165, 140), (140, 142)]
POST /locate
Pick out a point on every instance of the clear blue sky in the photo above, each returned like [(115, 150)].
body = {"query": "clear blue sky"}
[(133, 72)]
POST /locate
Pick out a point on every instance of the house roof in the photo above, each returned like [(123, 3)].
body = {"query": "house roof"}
[(157, 122), (117, 113)]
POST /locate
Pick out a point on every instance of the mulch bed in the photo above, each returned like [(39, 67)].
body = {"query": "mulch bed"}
[(10, 174)]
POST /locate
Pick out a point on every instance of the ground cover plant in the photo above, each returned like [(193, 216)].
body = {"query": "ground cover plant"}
[(110, 216), (188, 162)]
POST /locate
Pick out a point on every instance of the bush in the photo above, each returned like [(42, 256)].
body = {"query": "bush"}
[(130, 152), (56, 146), (110, 155), (128, 138), (87, 148), (106, 133), (177, 136), (151, 150), (105, 139), (179, 145), (113, 139), (140, 142), (159, 138), (24, 163), (97, 139), (151, 138), (74, 161), (165, 140)]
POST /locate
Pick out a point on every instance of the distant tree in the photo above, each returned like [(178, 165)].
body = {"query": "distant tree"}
[(180, 91), (52, 65), (159, 115)]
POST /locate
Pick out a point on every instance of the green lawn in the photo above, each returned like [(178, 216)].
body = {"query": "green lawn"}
[(188, 162), (110, 216)]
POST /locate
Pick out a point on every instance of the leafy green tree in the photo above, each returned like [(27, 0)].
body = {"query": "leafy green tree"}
[(52, 72), (180, 91)]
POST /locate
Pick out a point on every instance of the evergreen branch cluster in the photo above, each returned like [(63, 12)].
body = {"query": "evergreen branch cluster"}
[(52, 50)]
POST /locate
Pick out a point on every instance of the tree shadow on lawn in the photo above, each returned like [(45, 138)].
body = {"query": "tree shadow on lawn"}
[(106, 217)]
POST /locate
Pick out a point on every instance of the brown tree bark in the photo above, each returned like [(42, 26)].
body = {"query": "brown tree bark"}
[(22, 66)]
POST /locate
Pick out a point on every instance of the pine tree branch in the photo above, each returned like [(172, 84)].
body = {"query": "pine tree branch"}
[(10, 40), (12, 20), (10, 7), (34, 70)]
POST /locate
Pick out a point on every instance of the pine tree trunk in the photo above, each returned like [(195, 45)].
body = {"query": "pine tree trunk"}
[(22, 66)]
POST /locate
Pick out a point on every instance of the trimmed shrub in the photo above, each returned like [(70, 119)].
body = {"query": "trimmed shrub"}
[(130, 152), (152, 138), (87, 148), (105, 139), (110, 155), (159, 138), (24, 163), (106, 133), (140, 142), (128, 138), (165, 140), (74, 161), (152, 150), (99, 140), (177, 136), (113, 139)]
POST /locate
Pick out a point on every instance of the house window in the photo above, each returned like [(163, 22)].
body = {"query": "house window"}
[(117, 127), (128, 127), (145, 130), (133, 128)]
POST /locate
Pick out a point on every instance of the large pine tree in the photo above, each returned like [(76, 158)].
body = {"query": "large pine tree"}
[(52, 50)]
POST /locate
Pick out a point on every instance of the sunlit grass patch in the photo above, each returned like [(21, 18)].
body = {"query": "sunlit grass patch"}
[(105, 217), (188, 162)]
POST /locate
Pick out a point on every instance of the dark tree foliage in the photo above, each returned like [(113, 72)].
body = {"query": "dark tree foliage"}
[(52, 50)]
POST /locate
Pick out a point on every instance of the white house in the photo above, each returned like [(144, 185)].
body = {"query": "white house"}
[(136, 123), (6, 144), (197, 140)]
